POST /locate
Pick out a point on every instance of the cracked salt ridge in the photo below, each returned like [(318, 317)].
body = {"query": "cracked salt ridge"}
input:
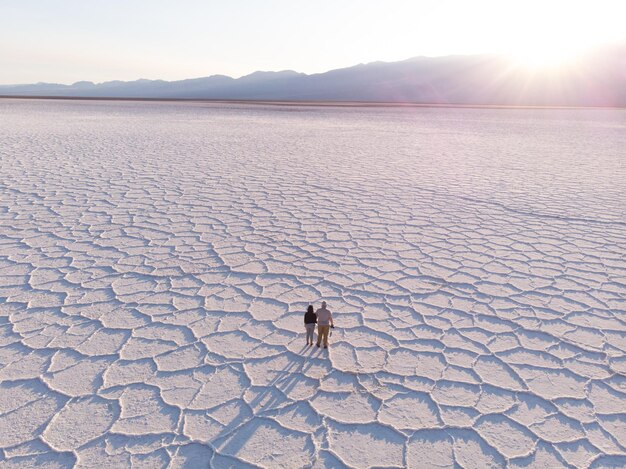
[(155, 261)]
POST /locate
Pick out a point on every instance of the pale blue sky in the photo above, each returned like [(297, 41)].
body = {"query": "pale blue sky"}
[(69, 40)]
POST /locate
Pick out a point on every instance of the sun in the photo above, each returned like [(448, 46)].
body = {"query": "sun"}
[(547, 51), (544, 57), (554, 34)]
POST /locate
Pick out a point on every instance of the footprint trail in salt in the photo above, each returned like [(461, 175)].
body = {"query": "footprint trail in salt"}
[(156, 261)]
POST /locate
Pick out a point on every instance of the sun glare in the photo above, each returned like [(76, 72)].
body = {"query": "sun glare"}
[(545, 54), (554, 34), (549, 47)]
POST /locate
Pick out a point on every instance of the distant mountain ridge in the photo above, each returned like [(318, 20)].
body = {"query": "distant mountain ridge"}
[(598, 79)]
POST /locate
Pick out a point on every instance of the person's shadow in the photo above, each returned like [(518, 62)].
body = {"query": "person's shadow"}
[(284, 381), (269, 399)]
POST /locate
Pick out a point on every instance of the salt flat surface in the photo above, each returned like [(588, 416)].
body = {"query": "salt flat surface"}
[(156, 259)]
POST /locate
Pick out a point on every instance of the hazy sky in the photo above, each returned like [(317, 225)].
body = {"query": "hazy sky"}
[(69, 40)]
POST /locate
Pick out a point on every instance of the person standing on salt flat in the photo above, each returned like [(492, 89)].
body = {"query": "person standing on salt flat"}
[(309, 323), (324, 323)]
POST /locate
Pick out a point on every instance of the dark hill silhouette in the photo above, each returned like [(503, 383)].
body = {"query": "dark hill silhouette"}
[(598, 79)]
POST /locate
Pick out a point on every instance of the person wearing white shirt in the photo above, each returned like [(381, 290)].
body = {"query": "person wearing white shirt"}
[(324, 323)]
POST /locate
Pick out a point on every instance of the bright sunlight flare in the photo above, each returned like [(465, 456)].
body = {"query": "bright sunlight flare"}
[(555, 33), (541, 53)]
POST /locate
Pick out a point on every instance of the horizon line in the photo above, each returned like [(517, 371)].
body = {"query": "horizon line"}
[(309, 103)]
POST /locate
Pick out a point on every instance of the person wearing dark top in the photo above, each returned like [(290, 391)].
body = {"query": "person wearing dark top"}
[(309, 323)]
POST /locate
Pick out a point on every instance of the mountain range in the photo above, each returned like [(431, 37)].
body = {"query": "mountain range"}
[(596, 79)]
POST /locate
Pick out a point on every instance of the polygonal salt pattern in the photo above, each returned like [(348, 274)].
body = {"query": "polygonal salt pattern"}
[(156, 260)]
